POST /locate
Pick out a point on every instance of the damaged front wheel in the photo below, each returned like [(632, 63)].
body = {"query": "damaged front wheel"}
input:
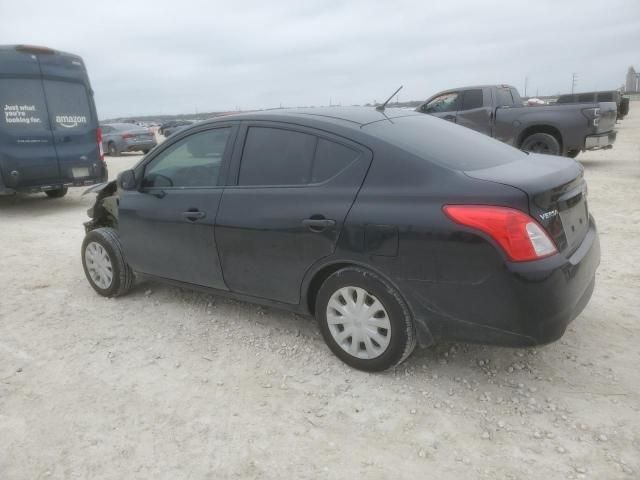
[(104, 263)]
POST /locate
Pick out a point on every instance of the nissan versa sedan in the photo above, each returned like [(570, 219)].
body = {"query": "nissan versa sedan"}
[(392, 228)]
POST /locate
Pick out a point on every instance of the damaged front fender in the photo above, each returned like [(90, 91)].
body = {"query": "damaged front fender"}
[(104, 212)]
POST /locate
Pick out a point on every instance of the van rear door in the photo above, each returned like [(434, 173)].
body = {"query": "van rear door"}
[(74, 130), (27, 153)]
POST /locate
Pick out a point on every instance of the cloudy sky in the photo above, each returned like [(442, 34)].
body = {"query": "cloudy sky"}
[(183, 56)]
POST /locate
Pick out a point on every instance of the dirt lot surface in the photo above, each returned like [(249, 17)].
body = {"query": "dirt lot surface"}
[(167, 383)]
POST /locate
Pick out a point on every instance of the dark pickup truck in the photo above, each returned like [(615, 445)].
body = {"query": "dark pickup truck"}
[(498, 111)]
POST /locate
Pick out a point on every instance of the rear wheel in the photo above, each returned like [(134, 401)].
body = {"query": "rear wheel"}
[(541, 143), (104, 264), (113, 150), (364, 320), (145, 151), (57, 193)]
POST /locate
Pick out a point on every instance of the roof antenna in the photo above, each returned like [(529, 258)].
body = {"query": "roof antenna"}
[(380, 108)]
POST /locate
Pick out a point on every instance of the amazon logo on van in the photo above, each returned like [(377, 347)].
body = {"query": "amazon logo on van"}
[(70, 121)]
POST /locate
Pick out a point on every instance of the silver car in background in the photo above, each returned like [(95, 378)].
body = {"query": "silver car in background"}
[(126, 137)]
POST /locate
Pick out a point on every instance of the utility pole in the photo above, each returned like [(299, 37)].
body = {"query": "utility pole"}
[(574, 81), (526, 81)]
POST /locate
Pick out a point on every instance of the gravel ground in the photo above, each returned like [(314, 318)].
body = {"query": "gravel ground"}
[(167, 383)]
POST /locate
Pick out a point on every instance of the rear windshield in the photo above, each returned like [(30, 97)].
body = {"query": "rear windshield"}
[(68, 105), (444, 143), (23, 105)]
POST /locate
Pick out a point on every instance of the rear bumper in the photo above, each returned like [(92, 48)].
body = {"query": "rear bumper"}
[(524, 304), (73, 182), (604, 140)]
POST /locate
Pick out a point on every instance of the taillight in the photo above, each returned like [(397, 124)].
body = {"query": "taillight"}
[(519, 235), (99, 140), (593, 115)]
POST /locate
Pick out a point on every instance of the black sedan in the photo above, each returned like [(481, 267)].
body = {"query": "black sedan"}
[(392, 228)]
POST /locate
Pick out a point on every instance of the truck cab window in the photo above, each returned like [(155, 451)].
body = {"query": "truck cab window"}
[(504, 98), (472, 99), (447, 102)]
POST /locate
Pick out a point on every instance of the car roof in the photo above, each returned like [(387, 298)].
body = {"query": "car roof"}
[(354, 117)]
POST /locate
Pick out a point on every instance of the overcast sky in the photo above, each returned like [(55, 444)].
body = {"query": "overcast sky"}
[(182, 56)]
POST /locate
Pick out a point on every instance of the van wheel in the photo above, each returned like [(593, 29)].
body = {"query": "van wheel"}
[(145, 151), (364, 320), (541, 143), (104, 264), (57, 193), (573, 153), (113, 150)]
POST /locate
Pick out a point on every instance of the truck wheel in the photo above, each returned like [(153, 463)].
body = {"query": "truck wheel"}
[(364, 320), (541, 143), (57, 193), (573, 153), (104, 264), (113, 150)]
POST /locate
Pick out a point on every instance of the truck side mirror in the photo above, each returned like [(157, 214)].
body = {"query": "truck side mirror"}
[(127, 180)]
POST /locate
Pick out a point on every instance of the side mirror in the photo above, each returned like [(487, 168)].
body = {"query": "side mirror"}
[(127, 180)]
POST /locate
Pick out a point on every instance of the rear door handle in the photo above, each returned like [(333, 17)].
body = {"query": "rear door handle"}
[(193, 215), (318, 224)]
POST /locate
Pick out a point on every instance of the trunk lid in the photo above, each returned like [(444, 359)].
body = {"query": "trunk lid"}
[(556, 190)]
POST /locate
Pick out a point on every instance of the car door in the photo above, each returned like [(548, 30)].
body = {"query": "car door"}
[(292, 191), (167, 225), (74, 125), (443, 106), (27, 154), (472, 112)]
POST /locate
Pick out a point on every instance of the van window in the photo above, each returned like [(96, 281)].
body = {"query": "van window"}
[(68, 105), (331, 158), (23, 106), (273, 156)]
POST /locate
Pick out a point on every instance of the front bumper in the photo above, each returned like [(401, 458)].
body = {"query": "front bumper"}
[(524, 304), (604, 140)]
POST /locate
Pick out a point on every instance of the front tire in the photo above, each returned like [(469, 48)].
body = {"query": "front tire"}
[(104, 263), (544, 143), (57, 193), (364, 320)]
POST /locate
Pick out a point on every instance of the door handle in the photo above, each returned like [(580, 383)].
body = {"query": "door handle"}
[(193, 215), (318, 224)]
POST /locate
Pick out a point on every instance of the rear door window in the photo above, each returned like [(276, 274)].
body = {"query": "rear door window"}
[(23, 105), (68, 105), (471, 99), (330, 159), (275, 156)]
